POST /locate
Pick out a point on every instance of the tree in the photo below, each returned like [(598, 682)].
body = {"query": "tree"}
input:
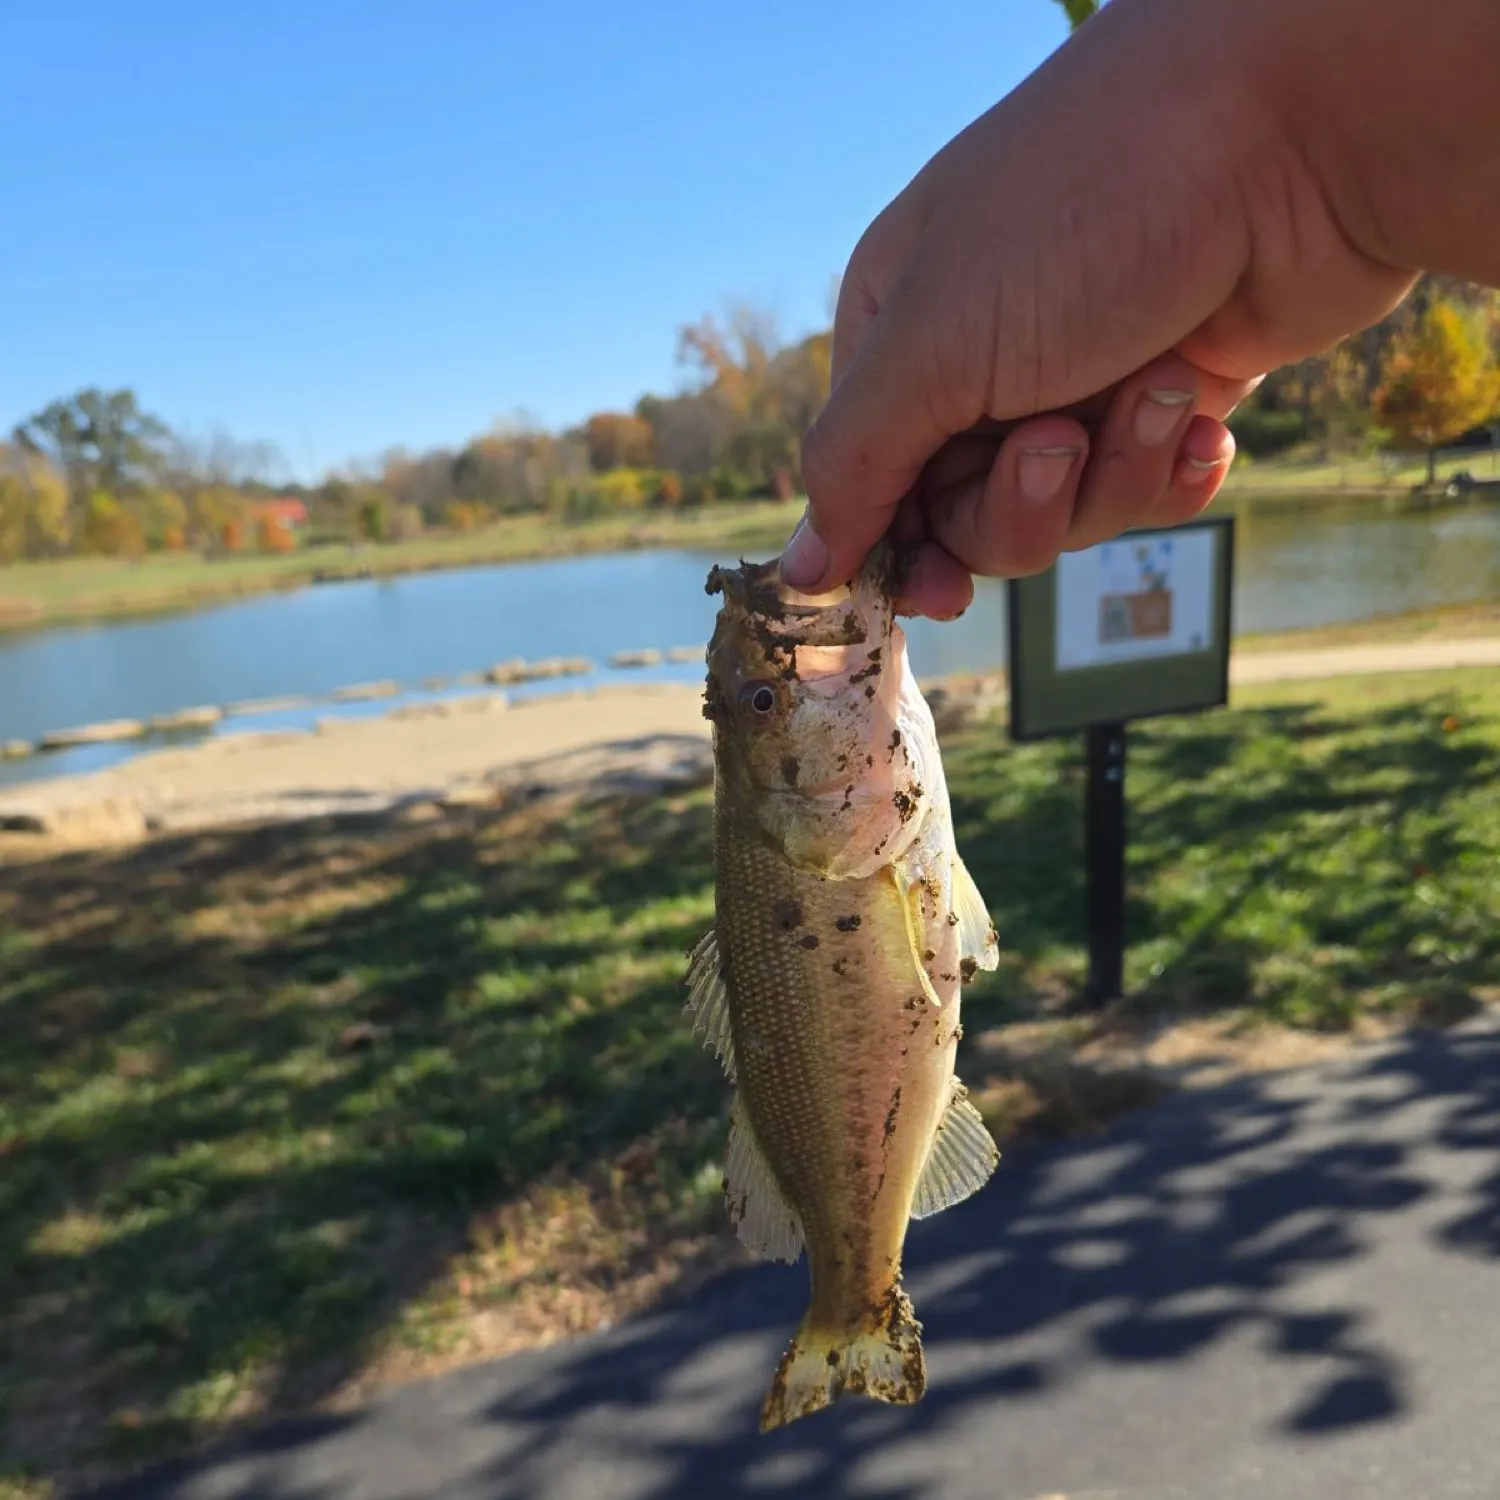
[(618, 440), (405, 523), (101, 440), (691, 430), (374, 516), (34, 520), (216, 514), (13, 519), (513, 467), (464, 515), (1344, 410), (733, 362), (1440, 380), (765, 395), (425, 481), (163, 515), (109, 529), (272, 536), (1079, 11)]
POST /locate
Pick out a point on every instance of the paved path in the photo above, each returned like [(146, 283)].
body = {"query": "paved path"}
[(1287, 1288), (1351, 661)]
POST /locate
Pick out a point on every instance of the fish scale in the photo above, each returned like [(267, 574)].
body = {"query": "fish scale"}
[(790, 1082)]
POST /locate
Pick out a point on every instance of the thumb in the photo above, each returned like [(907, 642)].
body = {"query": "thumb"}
[(881, 424)]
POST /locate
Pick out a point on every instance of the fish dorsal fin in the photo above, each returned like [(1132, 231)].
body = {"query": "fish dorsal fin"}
[(962, 1157), (766, 1223), (708, 1000), (976, 933)]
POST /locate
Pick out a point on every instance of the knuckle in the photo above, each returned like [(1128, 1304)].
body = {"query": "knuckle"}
[(1028, 551)]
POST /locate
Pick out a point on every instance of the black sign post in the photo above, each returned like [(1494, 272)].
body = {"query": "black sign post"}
[(1104, 855), (1131, 629)]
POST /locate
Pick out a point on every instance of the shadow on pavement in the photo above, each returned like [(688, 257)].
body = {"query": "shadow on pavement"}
[(1198, 1276)]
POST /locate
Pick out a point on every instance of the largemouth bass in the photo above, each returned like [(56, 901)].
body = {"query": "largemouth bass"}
[(829, 987)]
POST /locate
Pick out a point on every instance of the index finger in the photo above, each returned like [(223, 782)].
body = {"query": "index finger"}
[(866, 449)]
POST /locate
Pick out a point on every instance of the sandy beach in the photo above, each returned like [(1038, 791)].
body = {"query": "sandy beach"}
[(477, 749), (462, 750)]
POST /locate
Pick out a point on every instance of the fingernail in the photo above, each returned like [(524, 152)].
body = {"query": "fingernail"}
[(1042, 472), (1157, 415), (1196, 470), (806, 558)]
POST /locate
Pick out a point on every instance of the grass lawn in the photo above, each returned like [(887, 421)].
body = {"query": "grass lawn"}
[(284, 1113)]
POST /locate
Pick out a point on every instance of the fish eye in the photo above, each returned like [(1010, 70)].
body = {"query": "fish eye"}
[(759, 696)]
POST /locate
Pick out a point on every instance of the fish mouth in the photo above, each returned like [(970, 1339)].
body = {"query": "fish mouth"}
[(844, 616)]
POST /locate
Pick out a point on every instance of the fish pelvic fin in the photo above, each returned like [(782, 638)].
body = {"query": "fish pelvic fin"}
[(883, 1361)]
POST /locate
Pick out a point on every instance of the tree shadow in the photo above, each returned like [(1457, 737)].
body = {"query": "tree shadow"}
[(1171, 1234)]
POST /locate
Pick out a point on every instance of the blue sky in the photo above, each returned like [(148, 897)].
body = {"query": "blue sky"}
[(342, 225)]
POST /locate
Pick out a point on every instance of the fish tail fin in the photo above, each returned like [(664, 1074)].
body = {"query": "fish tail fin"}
[(884, 1362)]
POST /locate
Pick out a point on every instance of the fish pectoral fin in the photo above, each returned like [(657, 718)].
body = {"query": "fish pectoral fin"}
[(708, 1000), (884, 1362), (960, 1160), (766, 1223), (910, 892), (976, 933)]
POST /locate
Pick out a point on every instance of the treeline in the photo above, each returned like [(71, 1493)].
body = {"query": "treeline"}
[(734, 433), (97, 474), (1425, 377)]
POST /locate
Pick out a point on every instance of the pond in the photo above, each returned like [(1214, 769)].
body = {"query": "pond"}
[(1319, 566)]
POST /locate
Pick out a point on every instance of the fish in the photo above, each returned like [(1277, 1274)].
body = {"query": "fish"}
[(845, 928)]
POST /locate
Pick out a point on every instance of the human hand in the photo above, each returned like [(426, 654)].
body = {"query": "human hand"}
[(1165, 210)]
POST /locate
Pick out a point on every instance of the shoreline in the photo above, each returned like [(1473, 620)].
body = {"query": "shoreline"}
[(38, 596), (426, 760), (156, 732)]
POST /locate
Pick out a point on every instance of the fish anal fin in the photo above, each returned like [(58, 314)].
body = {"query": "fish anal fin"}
[(977, 939), (960, 1161), (883, 1361), (708, 1000), (766, 1223)]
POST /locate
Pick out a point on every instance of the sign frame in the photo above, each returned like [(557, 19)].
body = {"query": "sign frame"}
[(1026, 594)]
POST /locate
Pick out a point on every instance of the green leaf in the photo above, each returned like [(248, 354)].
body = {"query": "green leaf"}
[(1079, 11)]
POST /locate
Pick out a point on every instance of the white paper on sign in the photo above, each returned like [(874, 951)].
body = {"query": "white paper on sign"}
[(1135, 598)]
